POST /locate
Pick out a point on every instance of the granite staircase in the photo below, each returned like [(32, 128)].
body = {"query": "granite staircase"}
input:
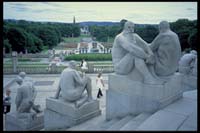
[(180, 115)]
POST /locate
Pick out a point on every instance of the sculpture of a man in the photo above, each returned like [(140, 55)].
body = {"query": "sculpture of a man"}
[(72, 86), (188, 63), (25, 97), (130, 52), (167, 50)]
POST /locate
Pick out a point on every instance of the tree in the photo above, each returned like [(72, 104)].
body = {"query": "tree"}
[(17, 39), (192, 39), (7, 45)]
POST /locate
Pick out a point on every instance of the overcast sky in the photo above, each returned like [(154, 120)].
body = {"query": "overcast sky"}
[(138, 12)]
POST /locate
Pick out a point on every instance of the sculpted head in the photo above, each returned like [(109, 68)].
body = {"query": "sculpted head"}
[(193, 52), (72, 64), (164, 26), (129, 27), (22, 75), (19, 80)]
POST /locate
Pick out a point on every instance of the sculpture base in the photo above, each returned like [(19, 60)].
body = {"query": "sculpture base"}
[(59, 114), (28, 123), (126, 96), (189, 82)]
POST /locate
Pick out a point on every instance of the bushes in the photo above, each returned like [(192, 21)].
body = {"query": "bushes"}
[(89, 57)]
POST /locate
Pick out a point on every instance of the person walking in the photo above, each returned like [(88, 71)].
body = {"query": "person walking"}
[(100, 84)]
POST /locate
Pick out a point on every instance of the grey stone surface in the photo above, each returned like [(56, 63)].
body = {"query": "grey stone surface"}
[(120, 123), (60, 114), (135, 122), (180, 115), (162, 120), (125, 96), (13, 123)]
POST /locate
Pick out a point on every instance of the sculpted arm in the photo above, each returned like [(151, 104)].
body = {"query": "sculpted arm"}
[(155, 43), (132, 48), (34, 92), (144, 44), (18, 99), (78, 78), (57, 92)]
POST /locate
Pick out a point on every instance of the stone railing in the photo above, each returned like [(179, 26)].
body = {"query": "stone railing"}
[(38, 55), (56, 70), (100, 68), (34, 70)]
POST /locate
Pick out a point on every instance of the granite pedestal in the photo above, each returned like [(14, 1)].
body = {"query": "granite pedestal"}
[(24, 122), (60, 114), (189, 82), (125, 96)]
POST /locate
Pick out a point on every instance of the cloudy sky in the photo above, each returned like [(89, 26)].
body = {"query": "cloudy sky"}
[(138, 12)]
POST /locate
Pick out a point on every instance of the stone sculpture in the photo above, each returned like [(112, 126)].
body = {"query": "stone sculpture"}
[(72, 85), (25, 98), (71, 105), (188, 67), (145, 77), (167, 50), (131, 52), (188, 63), (28, 115)]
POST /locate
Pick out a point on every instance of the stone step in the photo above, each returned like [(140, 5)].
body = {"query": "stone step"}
[(89, 123), (171, 117), (120, 123), (135, 122), (106, 124)]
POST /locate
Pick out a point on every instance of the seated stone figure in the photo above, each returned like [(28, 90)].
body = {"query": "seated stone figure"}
[(72, 86), (167, 51), (131, 52), (25, 97), (188, 63)]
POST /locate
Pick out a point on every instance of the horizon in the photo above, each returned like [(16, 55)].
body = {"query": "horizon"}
[(137, 12), (84, 21)]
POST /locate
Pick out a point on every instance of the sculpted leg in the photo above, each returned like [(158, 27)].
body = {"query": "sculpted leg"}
[(148, 77), (125, 65), (88, 88)]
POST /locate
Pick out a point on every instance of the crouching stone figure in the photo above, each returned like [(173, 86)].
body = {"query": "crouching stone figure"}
[(72, 86)]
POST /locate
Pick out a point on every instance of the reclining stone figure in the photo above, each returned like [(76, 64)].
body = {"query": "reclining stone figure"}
[(72, 86)]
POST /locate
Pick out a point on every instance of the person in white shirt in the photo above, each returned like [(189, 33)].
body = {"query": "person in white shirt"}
[(100, 84), (84, 66)]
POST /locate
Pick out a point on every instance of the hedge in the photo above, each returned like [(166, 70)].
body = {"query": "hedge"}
[(89, 57)]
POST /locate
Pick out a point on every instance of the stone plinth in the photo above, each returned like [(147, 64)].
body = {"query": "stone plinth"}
[(126, 96), (189, 82), (59, 114), (27, 122)]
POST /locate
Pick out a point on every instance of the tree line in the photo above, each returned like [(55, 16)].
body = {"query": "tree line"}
[(185, 29), (35, 36)]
